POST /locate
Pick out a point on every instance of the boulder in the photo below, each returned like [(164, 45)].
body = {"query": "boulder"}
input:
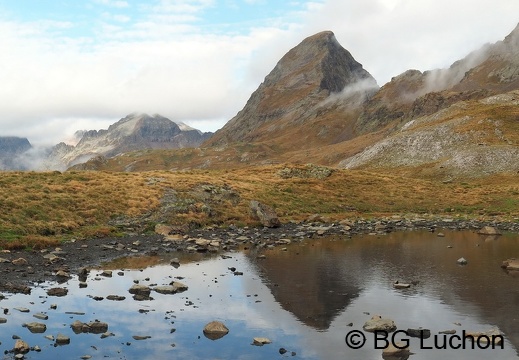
[(36, 327), (265, 214), (57, 292), (62, 339), (396, 351), (511, 264), (172, 288), (399, 285), (378, 323), (419, 333), (20, 262), (462, 261), (94, 327), (21, 347), (488, 230), (492, 335), (260, 341), (215, 330), (142, 290)]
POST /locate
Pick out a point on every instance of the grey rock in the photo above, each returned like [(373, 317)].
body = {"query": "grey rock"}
[(21, 347), (462, 261), (378, 323), (215, 330), (62, 339), (260, 341), (57, 292), (419, 333), (35, 327), (41, 316), (265, 214), (138, 289)]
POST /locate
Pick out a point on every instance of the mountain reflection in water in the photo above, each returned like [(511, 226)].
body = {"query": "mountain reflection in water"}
[(315, 282), (323, 279)]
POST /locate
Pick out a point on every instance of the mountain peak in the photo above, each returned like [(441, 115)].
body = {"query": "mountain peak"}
[(304, 77), (135, 131)]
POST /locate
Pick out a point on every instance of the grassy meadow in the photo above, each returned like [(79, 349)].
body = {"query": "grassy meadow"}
[(40, 209)]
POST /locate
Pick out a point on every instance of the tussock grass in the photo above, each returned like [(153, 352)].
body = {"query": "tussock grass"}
[(42, 209)]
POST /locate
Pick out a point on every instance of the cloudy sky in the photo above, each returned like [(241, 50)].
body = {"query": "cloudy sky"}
[(67, 65)]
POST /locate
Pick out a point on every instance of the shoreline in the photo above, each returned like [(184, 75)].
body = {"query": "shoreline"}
[(22, 269)]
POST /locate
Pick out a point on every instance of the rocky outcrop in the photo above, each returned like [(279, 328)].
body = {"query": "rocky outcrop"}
[(265, 214)]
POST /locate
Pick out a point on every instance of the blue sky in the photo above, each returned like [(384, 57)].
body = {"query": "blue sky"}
[(67, 65)]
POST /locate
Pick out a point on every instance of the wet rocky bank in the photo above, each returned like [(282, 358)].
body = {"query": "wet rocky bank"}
[(21, 269)]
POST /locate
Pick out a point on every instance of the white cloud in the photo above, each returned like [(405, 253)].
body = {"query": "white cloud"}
[(167, 62), (113, 3)]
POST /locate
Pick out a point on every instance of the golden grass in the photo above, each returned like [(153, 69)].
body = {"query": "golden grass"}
[(42, 209)]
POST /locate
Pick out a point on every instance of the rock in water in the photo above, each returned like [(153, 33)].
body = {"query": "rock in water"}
[(462, 261), (215, 330), (511, 264), (378, 323), (488, 230), (21, 347)]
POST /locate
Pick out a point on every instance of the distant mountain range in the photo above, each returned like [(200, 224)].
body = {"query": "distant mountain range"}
[(320, 105), (133, 132)]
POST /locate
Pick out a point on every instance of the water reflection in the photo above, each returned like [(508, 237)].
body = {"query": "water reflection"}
[(303, 299)]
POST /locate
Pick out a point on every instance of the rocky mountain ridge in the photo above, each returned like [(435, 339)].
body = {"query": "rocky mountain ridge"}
[(133, 132)]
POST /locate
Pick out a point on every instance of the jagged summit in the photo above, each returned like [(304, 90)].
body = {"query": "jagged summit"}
[(304, 77)]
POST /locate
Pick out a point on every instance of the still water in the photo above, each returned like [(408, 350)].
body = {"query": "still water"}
[(304, 298)]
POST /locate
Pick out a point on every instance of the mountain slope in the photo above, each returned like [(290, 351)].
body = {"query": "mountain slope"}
[(491, 70), (466, 126), (291, 95)]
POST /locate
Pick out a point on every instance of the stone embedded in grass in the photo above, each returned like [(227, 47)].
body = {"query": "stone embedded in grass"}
[(265, 214)]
